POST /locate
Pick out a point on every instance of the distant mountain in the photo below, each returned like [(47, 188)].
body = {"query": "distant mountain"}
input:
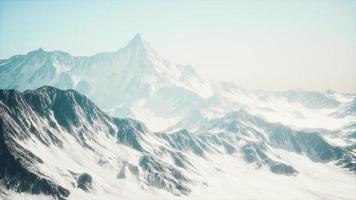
[(150, 84), (57, 143), (136, 82)]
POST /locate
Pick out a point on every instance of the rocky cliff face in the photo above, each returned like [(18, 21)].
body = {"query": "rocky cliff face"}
[(58, 143)]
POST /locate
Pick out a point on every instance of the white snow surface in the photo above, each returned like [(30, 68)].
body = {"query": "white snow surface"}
[(136, 82)]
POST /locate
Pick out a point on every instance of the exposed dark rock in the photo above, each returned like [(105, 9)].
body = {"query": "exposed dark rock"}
[(164, 176), (85, 182), (130, 132), (255, 153), (17, 171), (184, 141)]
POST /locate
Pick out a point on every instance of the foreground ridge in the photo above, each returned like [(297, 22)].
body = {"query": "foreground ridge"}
[(59, 144)]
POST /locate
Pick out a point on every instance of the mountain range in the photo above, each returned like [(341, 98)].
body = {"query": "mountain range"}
[(129, 124)]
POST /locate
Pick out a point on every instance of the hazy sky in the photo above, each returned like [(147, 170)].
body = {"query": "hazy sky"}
[(263, 44)]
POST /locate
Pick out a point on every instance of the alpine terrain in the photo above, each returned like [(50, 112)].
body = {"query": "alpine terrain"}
[(131, 125)]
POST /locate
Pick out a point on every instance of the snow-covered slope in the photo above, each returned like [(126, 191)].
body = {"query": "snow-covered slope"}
[(204, 139), (57, 144)]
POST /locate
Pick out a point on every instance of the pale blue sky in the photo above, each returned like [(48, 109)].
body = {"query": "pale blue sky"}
[(309, 44)]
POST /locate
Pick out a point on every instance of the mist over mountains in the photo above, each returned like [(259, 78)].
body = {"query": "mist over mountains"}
[(129, 124)]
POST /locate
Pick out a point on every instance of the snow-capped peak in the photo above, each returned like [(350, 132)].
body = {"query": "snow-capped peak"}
[(136, 40), (141, 51), (37, 52), (40, 50)]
